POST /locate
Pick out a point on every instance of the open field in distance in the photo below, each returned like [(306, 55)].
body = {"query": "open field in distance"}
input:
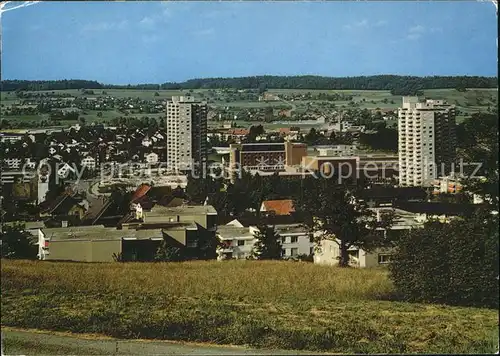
[(283, 305), (467, 102)]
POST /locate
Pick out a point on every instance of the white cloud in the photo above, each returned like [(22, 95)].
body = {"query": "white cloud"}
[(417, 29), (105, 26), (147, 22), (413, 36), (358, 24), (363, 24), (436, 30)]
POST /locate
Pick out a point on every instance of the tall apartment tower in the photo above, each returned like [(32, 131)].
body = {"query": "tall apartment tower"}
[(186, 127), (427, 141)]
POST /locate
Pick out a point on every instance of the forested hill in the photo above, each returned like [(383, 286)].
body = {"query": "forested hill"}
[(11, 85), (398, 85), (376, 82)]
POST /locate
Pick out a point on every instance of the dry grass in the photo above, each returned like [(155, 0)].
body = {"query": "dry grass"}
[(263, 304), (269, 281)]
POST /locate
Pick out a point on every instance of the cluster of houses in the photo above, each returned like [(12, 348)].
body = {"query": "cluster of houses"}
[(71, 148), (89, 101), (74, 228)]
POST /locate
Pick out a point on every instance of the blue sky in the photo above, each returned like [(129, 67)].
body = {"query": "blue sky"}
[(155, 42)]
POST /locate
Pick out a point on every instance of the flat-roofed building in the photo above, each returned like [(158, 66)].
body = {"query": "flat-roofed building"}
[(94, 243), (186, 126), (327, 166), (426, 141), (266, 156), (203, 215), (238, 242)]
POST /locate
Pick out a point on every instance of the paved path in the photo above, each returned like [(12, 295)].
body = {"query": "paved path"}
[(17, 342)]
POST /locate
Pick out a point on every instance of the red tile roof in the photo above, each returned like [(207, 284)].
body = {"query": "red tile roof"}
[(141, 191), (241, 132), (284, 130), (280, 207)]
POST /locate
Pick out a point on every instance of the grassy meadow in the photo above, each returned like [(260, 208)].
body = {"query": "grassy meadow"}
[(469, 102), (284, 305)]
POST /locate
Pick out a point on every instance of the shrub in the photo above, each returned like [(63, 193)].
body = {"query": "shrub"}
[(17, 243), (452, 263)]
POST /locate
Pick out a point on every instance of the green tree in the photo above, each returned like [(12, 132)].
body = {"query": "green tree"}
[(17, 243), (453, 263), (332, 212), (207, 245), (268, 244), (196, 190), (312, 137), (477, 139), (168, 253)]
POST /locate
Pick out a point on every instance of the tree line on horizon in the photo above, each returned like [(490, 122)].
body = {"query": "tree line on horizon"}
[(398, 85)]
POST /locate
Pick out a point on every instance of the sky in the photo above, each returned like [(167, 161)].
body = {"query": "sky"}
[(157, 42)]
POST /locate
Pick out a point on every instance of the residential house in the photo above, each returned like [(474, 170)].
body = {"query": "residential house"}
[(65, 170), (66, 207), (236, 133), (146, 142), (88, 163), (185, 227), (378, 196), (328, 250), (277, 207), (152, 158), (448, 184), (336, 150), (441, 211), (12, 163), (237, 241)]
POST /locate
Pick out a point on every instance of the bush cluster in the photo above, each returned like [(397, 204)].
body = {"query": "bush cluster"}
[(454, 263)]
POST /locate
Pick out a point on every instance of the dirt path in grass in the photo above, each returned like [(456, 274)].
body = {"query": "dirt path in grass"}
[(35, 342)]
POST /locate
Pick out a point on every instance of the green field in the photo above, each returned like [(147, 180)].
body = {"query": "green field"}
[(285, 305), (469, 102)]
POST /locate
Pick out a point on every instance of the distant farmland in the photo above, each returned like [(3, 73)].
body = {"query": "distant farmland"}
[(469, 102)]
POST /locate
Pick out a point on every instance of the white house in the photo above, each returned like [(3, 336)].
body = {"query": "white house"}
[(146, 142), (337, 150), (152, 158), (295, 240), (6, 137), (12, 163), (88, 162), (238, 241), (29, 164), (65, 170), (328, 250)]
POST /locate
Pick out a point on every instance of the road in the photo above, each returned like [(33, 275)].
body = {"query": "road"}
[(17, 342)]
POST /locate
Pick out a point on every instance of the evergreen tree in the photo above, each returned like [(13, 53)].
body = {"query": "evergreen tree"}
[(268, 244), (168, 253), (17, 243)]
